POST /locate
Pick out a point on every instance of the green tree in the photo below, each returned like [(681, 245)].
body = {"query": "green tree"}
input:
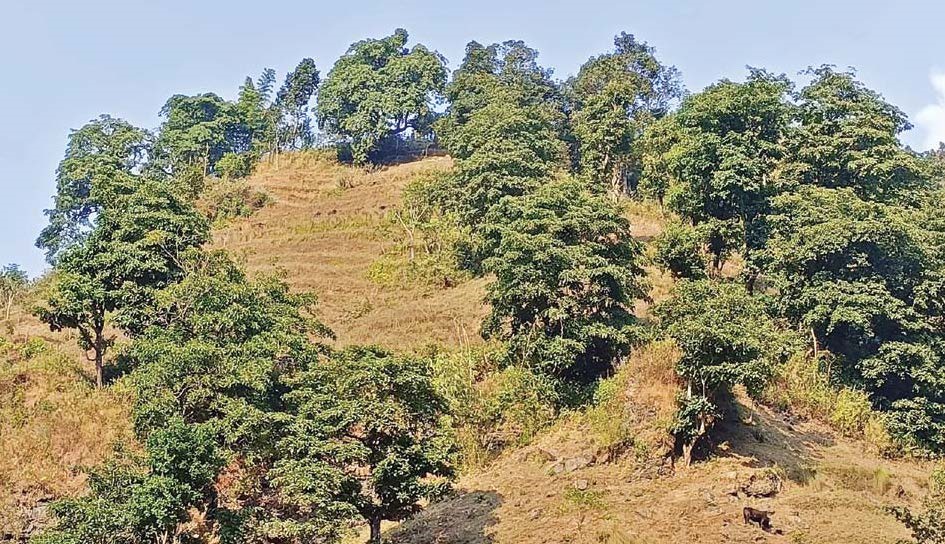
[(567, 272), (365, 433), (292, 100), (102, 161), (726, 338), (865, 279), (503, 126), (134, 249), (196, 133), (13, 284), (727, 143), (848, 138), (136, 498), (615, 97), (380, 89)]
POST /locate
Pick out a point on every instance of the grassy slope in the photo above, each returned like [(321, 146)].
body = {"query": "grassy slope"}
[(327, 225), (325, 228)]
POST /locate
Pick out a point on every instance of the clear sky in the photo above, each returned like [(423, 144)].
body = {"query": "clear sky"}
[(63, 62)]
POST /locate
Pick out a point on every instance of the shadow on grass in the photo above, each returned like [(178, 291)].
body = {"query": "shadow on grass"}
[(464, 518)]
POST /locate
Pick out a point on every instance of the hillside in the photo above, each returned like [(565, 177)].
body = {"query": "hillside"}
[(326, 226)]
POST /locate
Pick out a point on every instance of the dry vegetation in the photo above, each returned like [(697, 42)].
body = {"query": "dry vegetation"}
[(326, 226), (596, 476), (52, 420)]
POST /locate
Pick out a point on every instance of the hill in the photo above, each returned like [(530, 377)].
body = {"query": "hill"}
[(327, 226)]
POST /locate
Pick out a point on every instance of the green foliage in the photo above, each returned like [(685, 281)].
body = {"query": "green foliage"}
[(722, 149), (196, 133), (615, 97), (848, 138), (491, 409), (364, 437), (380, 89), (429, 236), (140, 499), (135, 249), (292, 100), (680, 249), (215, 350), (101, 163), (503, 126), (223, 200), (855, 273), (727, 339), (13, 285), (567, 272), (234, 166)]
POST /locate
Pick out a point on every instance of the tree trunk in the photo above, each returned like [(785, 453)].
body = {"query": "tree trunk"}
[(375, 523), (99, 348)]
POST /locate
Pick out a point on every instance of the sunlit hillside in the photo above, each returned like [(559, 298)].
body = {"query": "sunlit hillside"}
[(326, 226)]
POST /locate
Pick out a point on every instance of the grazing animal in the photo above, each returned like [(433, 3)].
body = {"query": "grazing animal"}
[(761, 517)]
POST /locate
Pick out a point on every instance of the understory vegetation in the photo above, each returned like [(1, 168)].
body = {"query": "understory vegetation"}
[(804, 244)]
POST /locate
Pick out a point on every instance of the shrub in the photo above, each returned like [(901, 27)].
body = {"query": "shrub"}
[(852, 412), (223, 200), (680, 249), (234, 166)]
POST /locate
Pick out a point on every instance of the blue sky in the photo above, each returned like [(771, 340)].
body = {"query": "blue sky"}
[(64, 62)]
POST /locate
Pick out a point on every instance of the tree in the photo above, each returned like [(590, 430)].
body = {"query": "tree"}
[(726, 147), (137, 498), (293, 99), (567, 272), (726, 339), (848, 138), (864, 278), (196, 133), (102, 161), (134, 249), (615, 97), (503, 126), (365, 434), (380, 89), (13, 283)]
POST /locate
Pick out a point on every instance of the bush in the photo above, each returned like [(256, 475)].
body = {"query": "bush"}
[(491, 409), (223, 200), (680, 249), (852, 412), (234, 166)]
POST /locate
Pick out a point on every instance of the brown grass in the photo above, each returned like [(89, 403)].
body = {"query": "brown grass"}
[(518, 500), (326, 227), (52, 424)]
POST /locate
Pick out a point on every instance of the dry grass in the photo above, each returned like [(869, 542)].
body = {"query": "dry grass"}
[(325, 227), (52, 422), (518, 500)]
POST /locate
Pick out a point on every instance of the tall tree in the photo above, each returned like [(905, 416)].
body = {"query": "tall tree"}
[(381, 89), (102, 161), (366, 431), (615, 97), (196, 133), (293, 100), (726, 338), (567, 273), (13, 283), (135, 248), (725, 145), (848, 138)]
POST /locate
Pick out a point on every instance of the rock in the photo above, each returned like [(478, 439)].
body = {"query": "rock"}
[(763, 484), (571, 464), (535, 514), (580, 485)]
